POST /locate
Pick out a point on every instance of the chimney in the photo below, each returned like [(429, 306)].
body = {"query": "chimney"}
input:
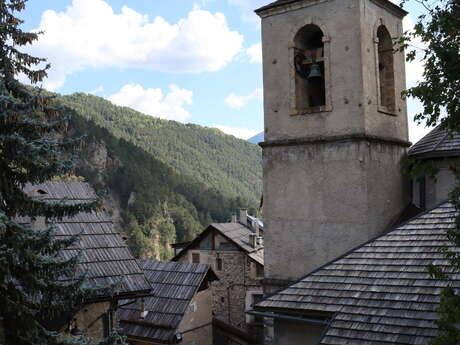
[(244, 216), (143, 312), (253, 240), (255, 227), (234, 220)]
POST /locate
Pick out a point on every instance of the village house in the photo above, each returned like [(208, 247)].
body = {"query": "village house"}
[(235, 251), (335, 138), (178, 310), (103, 256)]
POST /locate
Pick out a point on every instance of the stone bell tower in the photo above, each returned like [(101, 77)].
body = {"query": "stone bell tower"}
[(335, 129)]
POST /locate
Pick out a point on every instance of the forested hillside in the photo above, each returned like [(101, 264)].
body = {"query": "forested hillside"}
[(208, 155), (166, 180)]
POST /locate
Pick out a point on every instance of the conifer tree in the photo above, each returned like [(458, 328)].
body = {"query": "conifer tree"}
[(32, 293)]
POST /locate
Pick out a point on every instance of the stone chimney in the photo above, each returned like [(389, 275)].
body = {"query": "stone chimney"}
[(255, 227), (234, 219), (244, 216), (143, 312), (253, 240)]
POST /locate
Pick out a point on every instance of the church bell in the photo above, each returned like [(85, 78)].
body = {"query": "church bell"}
[(315, 71)]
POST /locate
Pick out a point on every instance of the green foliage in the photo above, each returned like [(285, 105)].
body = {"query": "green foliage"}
[(438, 28), (35, 301), (449, 318), (160, 204), (208, 156), (418, 168)]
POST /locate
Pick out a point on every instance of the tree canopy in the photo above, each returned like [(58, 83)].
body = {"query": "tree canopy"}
[(33, 297)]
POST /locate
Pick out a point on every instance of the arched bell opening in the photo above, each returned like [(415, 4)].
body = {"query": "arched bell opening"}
[(310, 68), (386, 68)]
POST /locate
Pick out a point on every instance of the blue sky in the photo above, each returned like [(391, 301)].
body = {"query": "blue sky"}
[(190, 61)]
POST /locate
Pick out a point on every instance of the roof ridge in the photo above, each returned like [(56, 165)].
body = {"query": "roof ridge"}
[(441, 140), (441, 204)]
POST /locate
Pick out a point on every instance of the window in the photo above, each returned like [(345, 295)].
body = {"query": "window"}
[(386, 75), (256, 298), (259, 271), (310, 70), (219, 264), (196, 258), (422, 197)]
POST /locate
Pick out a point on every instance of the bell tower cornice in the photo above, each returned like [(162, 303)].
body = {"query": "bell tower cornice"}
[(281, 6)]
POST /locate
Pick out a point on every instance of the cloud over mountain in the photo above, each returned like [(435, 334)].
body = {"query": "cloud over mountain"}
[(89, 34)]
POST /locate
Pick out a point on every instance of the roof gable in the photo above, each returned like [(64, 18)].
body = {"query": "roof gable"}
[(104, 256), (437, 143), (381, 292), (236, 233), (174, 285)]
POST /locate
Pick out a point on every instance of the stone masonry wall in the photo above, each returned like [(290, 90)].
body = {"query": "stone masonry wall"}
[(235, 279)]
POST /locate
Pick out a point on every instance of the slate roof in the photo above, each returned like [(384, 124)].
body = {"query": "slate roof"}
[(104, 256), (277, 3), (436, 143), (174, 285), (379, 293), (236, 233)]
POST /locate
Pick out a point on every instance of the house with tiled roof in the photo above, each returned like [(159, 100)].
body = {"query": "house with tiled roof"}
[(103, 257), (178, 309), (442, 151), (236, 253), (342, 264)]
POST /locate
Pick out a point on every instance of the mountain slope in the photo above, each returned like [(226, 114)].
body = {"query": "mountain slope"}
[(165, 180), (220, 161), (257, 138)]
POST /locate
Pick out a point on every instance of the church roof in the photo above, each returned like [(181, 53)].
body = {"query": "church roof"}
[(174, 285), (279, 3), (103, 255), (379, 293), (437, 143)]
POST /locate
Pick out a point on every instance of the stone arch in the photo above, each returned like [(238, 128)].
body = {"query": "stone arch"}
[(385, 67), (309, 54)]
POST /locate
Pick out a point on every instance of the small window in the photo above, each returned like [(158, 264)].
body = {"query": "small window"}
[(219, 264), (422, 197), (259, 271), (256, 298), (386, 69), (196, 258)]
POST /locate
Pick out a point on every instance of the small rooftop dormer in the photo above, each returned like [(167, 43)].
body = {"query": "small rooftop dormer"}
[(443, 151)]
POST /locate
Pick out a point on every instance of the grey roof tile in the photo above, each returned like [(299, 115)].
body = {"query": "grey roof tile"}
[(104, 256), (237, 233), (381, 292), (174, 285), (437, 143)]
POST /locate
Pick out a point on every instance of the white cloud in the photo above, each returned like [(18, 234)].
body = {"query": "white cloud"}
[(238, 102), (90, 34), (247, 8), (242, 133), (254, 53), (154, 102)]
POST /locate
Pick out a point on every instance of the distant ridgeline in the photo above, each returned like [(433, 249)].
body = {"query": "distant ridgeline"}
[(166, 180)]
